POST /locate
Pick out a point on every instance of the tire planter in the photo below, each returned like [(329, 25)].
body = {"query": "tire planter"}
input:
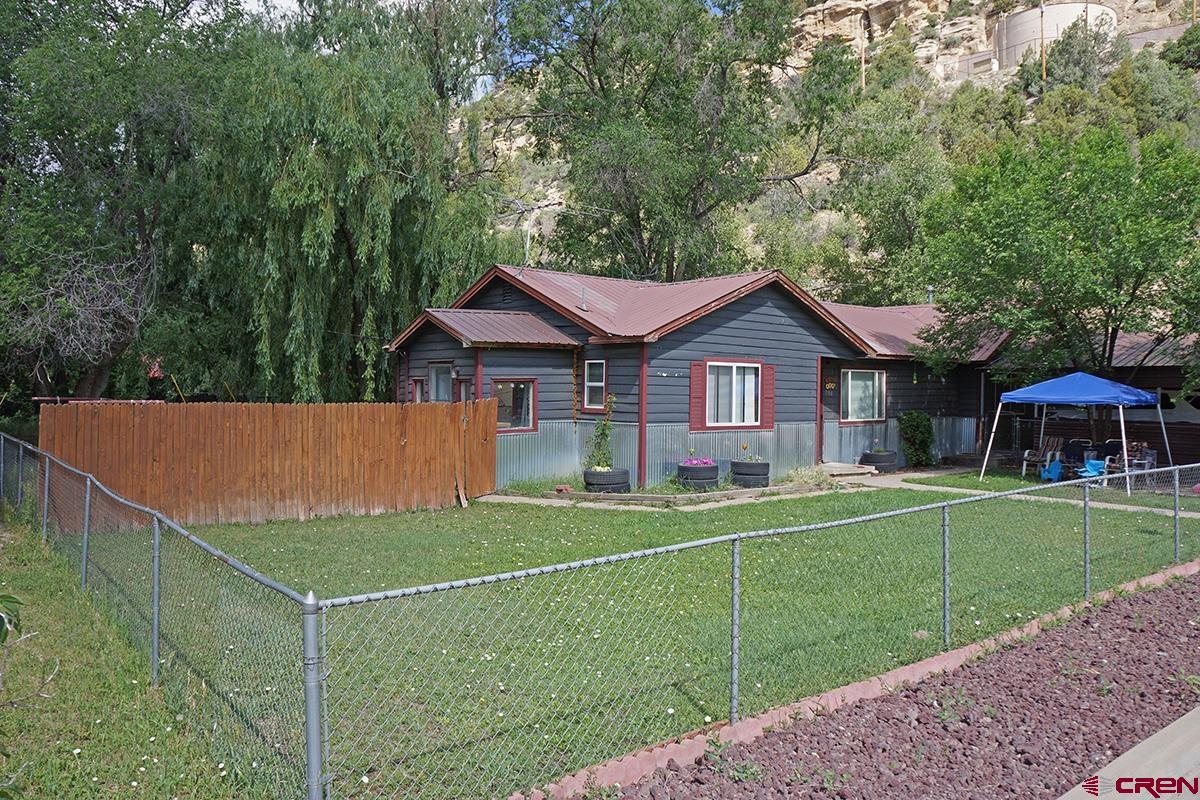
[(750, 474), (884, 461), (606, 480), (697, 476)]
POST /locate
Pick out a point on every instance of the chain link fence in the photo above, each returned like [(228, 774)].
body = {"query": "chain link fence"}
[(483, 687)]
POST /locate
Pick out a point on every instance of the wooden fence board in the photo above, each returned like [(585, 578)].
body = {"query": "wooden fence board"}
[(249, 462)]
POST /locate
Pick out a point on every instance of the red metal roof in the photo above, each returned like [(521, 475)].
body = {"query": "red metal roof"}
[(616, 308), (892, 331), (1132, 348), (478, 327)]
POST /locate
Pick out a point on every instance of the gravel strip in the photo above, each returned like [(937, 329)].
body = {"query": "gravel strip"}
[(1031, 720)]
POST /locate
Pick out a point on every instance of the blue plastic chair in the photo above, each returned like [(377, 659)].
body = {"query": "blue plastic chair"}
[(1093, 468), (1053, 471)]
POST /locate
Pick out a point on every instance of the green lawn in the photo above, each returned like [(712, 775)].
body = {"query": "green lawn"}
[(101, 731), (1150, 492), (499, 687)]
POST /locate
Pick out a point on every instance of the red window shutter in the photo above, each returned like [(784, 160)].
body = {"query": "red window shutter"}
[(696, 410), (767, 417)]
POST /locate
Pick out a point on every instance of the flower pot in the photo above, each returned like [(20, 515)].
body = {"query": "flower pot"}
[(750, 474), (606, 480), (698, 476), (884, 460)]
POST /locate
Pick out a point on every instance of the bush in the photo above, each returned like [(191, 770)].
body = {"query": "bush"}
[(1184, 52), (916, 438), (601, 455)]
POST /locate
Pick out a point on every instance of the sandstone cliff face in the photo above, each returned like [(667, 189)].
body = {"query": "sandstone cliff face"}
[(951, 47)]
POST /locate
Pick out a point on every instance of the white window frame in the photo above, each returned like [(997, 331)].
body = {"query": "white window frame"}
[(448, 366), (846, 401), (603, 384), (737, 365)]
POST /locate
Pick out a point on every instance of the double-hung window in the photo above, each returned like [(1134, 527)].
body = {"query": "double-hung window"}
[(863, 395), (734, 394), (441, 383), (594, 374)]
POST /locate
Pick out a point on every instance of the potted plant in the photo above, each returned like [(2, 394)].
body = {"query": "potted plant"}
[(880, 458), (599, 475), (697, 473), (750, 471)]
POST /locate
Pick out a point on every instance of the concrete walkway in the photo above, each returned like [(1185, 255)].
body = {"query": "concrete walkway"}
[(897, 481), (564, 501), (1173, 752)]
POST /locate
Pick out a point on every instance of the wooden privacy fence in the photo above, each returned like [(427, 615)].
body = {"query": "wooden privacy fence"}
[(249, 462)]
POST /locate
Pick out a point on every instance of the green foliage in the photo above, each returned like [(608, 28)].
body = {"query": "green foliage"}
[(1151, 93), (916, 438), (1065, 243), (339, 200), (10, 616), (1184, 52), (894, 62), (101, 138), (663, 111), (959, 8), (601, 453), (1081, 57)]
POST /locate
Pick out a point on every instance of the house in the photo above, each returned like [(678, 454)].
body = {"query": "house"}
[(702, 366)]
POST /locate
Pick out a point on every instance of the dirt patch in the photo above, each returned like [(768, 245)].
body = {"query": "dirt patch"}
[(1029, 721)]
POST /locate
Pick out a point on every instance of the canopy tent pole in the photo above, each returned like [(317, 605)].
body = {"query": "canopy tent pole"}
[(1042, 434), (1163, 426), (1125, 452), (987, 453)]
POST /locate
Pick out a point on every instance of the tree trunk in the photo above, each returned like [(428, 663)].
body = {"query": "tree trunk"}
[(93, 381)]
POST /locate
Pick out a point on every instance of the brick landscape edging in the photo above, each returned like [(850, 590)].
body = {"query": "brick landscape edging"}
[(690, 747)]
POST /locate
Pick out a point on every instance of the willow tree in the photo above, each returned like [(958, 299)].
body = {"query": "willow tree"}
[(340, 195)]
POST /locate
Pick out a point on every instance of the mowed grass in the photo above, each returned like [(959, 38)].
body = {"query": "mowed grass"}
[(101, 731), (1149, 492), (496, 688)]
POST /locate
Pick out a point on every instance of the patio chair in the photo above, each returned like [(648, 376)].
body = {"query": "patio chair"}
[(1073, 451), (1049, 451), (1094, 468), (1053, 472)]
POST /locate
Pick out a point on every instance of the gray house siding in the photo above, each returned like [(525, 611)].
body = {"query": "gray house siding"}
[(551, 368), (769, 325), (503, 296), (912, 386), (432, 343)]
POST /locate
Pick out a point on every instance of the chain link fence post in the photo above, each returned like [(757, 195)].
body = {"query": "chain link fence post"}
[(20, 474), (1175, 476), (735, 628), (155, 558), (1087, 541), (946, 576), (87, 529), (313, 745), (45, 498)]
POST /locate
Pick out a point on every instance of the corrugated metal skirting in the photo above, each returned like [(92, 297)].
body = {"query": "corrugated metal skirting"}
[(558, 449), (845, 444)]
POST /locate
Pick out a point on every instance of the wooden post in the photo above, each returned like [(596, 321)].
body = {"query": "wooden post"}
[(1042, 37)]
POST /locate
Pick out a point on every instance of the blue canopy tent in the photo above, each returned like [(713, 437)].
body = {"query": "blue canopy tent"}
[(1081, 389)]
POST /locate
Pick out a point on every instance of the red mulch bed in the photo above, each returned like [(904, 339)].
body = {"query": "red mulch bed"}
[(1031, 720)]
